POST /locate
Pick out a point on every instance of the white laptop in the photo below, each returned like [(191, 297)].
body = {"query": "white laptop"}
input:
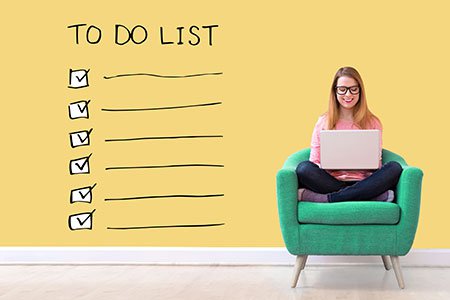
[(349, 149)]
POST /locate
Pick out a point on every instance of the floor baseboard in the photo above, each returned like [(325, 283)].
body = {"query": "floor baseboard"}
[(199, 256)]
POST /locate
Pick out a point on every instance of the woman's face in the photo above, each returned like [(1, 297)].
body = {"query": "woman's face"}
[(347, 92)]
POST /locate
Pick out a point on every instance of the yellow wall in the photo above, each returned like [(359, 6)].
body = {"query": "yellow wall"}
[(277, 58)]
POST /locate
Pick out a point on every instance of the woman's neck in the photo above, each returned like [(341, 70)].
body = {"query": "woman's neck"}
[(346, 114)]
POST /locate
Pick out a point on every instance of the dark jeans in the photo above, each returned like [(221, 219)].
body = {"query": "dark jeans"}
[(313, 178)]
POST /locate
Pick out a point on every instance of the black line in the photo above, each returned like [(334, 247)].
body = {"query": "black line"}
[(166, 226), (164, 196), (161, 76), (163, 166), (160, 108), (163, 138)]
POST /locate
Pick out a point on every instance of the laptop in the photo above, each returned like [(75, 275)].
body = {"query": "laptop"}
[(349, 149)]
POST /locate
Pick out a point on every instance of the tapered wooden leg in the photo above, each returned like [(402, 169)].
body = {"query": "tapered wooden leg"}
[(304, 262), (386, 262), (297, 269), (398, 271)]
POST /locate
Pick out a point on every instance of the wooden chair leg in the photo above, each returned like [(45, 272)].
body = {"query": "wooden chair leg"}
[(297, 269), (304, 262), (386, 262), (398, 271)]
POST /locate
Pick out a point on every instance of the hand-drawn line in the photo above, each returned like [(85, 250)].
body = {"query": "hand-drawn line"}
[(164, 166), (164, 196), (160, 108), (162, 76), (166, 226), (163, 138)]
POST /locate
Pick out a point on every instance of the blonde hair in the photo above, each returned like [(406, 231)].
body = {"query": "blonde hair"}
[(362, 116)]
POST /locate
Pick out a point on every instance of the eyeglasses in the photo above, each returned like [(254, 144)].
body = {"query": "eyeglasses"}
[(342, 90)]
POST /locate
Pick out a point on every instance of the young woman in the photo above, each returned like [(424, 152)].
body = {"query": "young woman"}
[(347, 110)]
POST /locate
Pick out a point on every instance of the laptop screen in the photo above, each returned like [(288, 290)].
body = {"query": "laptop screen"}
[(350, 149)]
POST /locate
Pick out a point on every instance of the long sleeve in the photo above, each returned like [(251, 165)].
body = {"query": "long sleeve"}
[(376, 124), (315, 141)]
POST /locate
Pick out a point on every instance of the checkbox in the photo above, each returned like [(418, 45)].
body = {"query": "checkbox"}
[(78, 78), (81, 221), (79, 109), (83, 194), (80, 138), (79, 165)]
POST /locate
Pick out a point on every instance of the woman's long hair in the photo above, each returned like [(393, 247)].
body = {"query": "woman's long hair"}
[(362, 116)]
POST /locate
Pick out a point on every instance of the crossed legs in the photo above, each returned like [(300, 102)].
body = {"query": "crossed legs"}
[(319, 181)]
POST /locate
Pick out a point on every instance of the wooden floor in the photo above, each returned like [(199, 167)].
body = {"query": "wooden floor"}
[(218, 282)]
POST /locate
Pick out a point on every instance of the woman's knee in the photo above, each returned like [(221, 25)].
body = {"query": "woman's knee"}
[(394, 167), (305, 167)]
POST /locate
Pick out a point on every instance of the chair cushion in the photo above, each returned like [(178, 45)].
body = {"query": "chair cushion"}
[(352, 212)]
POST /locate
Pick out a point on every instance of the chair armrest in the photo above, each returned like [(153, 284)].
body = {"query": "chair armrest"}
[(287, 194), (408, 194), (391, 156), (294, 159), (287, 191)]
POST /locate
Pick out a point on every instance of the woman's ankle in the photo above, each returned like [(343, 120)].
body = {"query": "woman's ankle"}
[(310, 196), (387, 196)]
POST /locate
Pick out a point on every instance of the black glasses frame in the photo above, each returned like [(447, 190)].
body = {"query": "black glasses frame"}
[(347, 88)]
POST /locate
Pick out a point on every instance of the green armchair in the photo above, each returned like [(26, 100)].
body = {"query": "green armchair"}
[(349, 228)]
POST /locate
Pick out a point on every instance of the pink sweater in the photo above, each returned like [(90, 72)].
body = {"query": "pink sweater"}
[(341, 125)]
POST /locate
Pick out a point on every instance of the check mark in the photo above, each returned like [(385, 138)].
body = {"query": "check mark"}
[(87, 218), (83, 196), (79, 109), (81, 221), (78, 78), (81, 167), (82, 140), (82, 109), (82, 77)]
